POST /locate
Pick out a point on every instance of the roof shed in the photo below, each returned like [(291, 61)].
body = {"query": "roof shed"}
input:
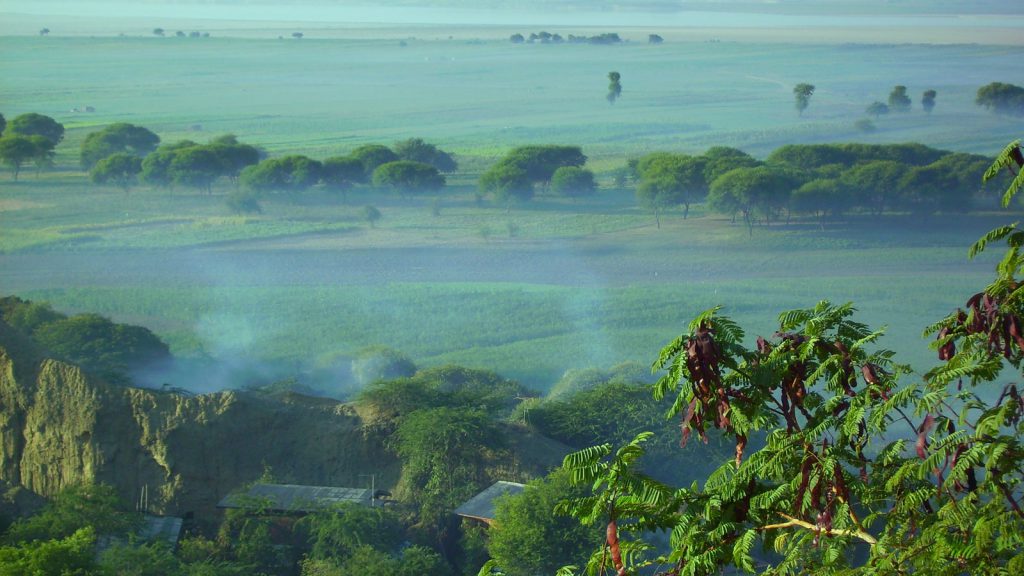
[(481, 506), (294, 498)]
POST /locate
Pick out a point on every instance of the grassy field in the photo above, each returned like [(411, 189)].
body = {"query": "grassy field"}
[(325, 96), (530, 293)]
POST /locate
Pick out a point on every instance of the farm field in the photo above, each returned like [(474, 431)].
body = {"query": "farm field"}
[(529, 293)]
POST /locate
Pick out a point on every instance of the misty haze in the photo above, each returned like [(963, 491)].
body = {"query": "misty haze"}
[(301, 287)]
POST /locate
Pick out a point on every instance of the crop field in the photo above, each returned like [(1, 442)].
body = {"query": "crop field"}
[(529, 292), (479, 98)]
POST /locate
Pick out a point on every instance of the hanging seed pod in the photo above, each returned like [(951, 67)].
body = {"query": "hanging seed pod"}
[(947, 350)]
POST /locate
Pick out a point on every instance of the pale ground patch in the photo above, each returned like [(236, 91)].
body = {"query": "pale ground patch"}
[(10, 205)]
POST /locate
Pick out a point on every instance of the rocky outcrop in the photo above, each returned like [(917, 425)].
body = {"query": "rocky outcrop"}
[(59, 426)]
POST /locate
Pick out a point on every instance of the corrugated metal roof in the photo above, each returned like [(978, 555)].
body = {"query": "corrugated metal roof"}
[(164, 528), (481, 506), (294, 497)]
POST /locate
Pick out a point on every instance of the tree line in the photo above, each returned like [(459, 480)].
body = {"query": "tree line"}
[(817, 180)]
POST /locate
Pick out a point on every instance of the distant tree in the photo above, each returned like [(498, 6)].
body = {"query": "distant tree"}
[(721, 159), (654, 39), (669, 180), (517, 38), (373, 155), (76, 507), (335, 534), (16, 151), (443, 451), (234, 156), (573, 182), (97, 344), (821, 198), (408, 177), (761, 191), (120, 137), (194, 34), (244, 201), (156, 166), (33, 124), (381, 363), (506, 182), (1005, 99), (340, 173), (3, 124), (614, 87), (417, 150), (803, 93), (528, 521), (44, 152), (898, 99), (877, 109), (540, 162), (180, 34), (372, 215), (928, 101), (119, 169), (73, 554), (197, 167), (297, 35), (287, 174), (876, 184), (865, 125), (139, 559), (44, 31), (158, 31), (938, 187), (811, 156)]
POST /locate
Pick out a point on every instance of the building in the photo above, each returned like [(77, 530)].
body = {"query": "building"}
[(294, 498), (481, 506)]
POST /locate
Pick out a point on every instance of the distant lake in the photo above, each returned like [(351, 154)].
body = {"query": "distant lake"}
[(369, 15)]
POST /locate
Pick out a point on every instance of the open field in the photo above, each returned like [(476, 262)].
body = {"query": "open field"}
[(529, 293), (325, 96), (572, 287)]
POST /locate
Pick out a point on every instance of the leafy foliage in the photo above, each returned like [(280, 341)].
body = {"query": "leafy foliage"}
[(837, 488), (528, 522)]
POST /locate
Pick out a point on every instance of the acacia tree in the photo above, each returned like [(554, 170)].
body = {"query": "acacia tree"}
[(864, 469), (15, 151), (119, 137), (122, 170), (803, 93), (33, 124), (898, 99), (928, 101)]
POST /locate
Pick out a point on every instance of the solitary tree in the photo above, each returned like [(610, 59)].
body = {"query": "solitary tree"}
[(44, 31), (158, 31), (877, 109), (517, 38), (803, 93), (614, 87), (120, 169), (297, 35), (33, 124), (928, 101), (654, 39), (1001, 98), (898, 99)]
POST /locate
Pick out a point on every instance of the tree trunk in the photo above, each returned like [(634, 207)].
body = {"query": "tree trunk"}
[(657, 218)]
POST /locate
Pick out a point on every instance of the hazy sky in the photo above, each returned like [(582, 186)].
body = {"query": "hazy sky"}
[(723, 13)]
